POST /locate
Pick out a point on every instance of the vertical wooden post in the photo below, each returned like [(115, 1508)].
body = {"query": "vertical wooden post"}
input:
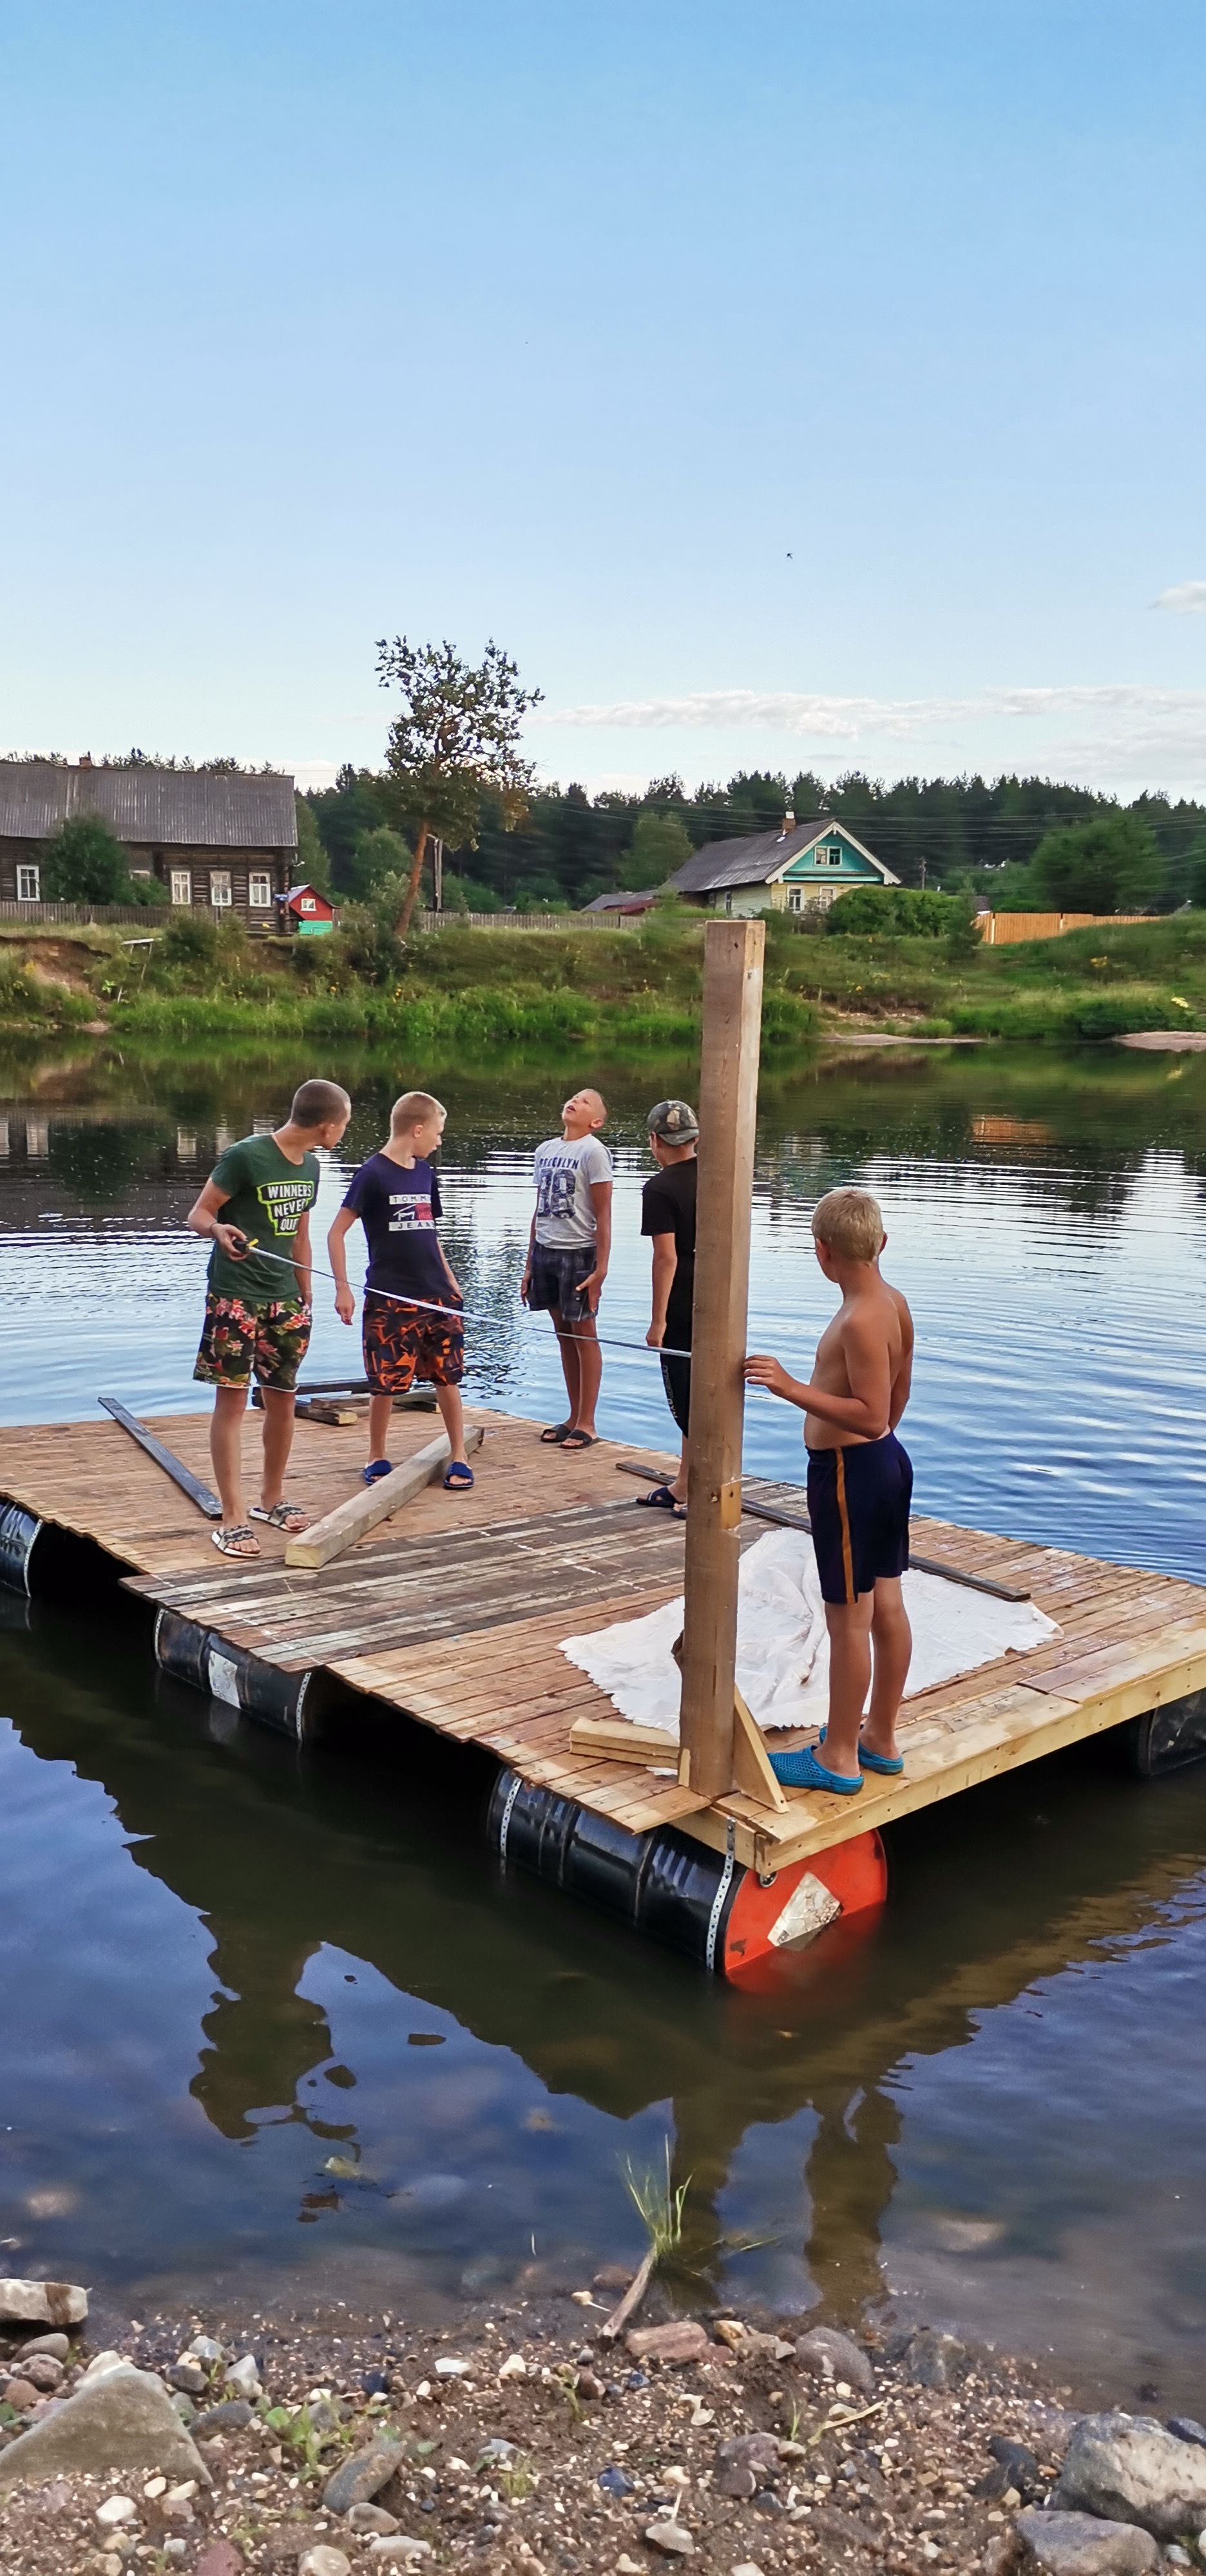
[(728, 1100)]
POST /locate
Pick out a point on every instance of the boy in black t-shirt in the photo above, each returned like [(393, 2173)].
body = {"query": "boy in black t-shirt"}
[(397, 1198), (668, 1214)]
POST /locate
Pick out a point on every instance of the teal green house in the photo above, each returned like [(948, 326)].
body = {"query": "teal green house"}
[(799, 866)]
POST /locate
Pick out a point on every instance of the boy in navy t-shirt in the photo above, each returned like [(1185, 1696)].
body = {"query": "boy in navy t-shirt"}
[(397, 1198)]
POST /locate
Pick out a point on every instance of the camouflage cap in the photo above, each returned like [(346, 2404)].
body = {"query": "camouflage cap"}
[(674, 1121)]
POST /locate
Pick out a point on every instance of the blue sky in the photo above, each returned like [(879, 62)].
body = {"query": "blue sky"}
[(781, 383)]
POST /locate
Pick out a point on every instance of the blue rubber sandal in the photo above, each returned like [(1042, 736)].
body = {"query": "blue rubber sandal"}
[(803, 1771), (662, 1500), (458, 1479), (376, 1469), (890, 1764)]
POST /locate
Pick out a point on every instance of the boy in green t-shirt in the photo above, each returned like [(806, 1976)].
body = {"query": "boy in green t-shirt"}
[(257, 1311)]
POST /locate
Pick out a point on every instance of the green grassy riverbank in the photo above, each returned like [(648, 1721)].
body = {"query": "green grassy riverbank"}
[(629, 992)]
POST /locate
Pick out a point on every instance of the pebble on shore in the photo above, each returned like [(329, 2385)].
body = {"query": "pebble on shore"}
[(743, 2450)]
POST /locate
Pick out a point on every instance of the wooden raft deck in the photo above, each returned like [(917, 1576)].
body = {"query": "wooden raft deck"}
[(454, 1612)]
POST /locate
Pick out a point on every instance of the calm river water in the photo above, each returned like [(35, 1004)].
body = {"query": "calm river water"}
[(224, 1964)]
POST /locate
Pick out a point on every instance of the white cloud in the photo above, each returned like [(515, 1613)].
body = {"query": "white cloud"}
[(1186, 598), (844, 720)]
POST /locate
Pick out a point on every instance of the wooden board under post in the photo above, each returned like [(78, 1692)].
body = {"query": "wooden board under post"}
[(618, 1740), (732, 1020), (752, 1772)]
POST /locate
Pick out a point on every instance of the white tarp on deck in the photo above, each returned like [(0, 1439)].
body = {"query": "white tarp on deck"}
[(783, 1645)]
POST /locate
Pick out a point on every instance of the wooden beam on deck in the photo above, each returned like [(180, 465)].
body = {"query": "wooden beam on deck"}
[(349, 1521), (732, 1023)]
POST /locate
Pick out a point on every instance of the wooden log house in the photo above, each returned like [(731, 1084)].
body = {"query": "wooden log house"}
[(220, 840)]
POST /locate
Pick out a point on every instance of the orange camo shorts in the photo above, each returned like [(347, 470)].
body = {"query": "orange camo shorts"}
[(402, 1343)]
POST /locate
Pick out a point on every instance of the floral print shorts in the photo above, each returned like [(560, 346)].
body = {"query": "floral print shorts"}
[(237, 1338)]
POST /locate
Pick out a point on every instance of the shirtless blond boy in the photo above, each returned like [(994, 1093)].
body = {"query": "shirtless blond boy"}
[(860, 1484)]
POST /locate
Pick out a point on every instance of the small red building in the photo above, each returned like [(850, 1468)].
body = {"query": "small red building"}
[(309, 912)]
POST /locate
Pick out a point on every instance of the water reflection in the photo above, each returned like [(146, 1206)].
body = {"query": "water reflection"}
[(344, 1912)]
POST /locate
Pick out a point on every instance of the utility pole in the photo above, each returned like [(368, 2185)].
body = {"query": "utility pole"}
[(732, 1028)]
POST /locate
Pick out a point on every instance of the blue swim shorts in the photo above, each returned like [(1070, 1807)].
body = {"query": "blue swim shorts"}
[(858, 1503)]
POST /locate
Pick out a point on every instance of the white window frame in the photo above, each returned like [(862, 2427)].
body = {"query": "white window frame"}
[(259, 901), (221, 893), (29, 882), (181, 885), (795, 899), (829, 857)]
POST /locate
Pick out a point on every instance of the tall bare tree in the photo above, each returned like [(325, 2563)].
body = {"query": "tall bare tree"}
[(456, 733)]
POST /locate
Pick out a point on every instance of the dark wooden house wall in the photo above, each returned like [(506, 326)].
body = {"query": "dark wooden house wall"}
[(240, 865)]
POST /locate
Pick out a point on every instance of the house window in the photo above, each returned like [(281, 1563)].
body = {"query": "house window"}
[(259, 892), (219, 889), (182, 885), (829, 857), (29, 882), (728, 903), (795, 899)]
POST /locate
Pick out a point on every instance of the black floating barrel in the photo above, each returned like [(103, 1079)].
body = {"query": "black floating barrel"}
[(672, 1889), (19, 1533), (227, 1672), (1168, 1738)]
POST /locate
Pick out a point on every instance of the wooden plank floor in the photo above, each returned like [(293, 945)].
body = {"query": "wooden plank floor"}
[(454, 1613)]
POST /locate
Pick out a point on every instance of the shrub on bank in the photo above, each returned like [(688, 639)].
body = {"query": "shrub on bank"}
[(897, 912)]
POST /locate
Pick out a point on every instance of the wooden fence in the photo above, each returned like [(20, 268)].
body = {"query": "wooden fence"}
[(997, 929), (46, 914)]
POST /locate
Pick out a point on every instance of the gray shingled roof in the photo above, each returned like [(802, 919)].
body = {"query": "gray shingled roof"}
[(169, 808), (750, 860)]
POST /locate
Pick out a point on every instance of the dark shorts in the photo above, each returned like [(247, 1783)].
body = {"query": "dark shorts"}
[(237, 1337), (402, 1343), (858, 1503), (676, 1378), (557, 1278)]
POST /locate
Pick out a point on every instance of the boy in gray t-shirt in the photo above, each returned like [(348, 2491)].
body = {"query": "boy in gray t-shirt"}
[(568, 1251)]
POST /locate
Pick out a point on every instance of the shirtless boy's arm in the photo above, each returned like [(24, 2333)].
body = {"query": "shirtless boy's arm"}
[(867, 1409)]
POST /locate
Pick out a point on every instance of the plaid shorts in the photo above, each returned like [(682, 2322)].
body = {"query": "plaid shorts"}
[(237, 1338), (557, 1276), (402, 1343)]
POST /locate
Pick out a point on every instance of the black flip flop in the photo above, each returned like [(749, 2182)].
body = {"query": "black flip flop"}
[(662, 1500), (575, 1440), (556, 1433)]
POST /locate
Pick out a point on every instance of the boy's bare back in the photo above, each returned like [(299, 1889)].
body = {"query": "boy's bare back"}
[(867, 1350)]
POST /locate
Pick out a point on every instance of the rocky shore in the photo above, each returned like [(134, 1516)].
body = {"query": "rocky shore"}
[(531, 2440)]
